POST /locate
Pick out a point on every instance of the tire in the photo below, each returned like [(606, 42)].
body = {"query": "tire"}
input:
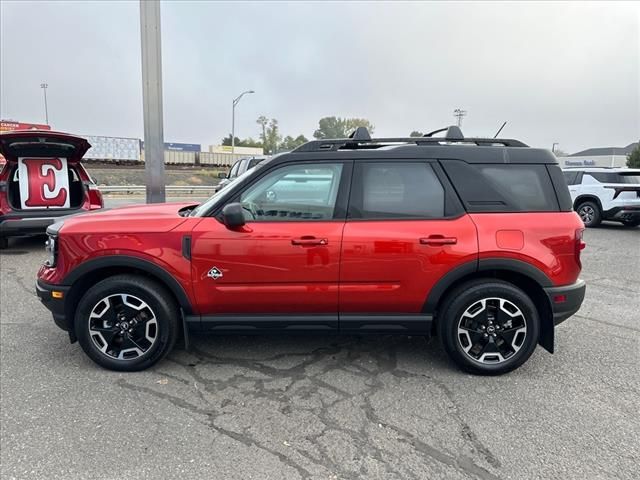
[(589, 213), (631, 223), (127, 323), (488, 326), (4, 243)]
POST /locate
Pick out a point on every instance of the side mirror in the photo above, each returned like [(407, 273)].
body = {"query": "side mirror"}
[(232, 215), (222, 174)]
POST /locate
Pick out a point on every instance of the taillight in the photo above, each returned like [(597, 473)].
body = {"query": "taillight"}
[(95, 198), (579, 245)]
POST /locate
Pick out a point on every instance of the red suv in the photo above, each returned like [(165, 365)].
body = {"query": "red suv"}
[(474, 240), (42, 180)]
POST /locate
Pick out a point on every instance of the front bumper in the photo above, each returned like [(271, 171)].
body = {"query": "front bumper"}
[(565, 300), (57, 306)]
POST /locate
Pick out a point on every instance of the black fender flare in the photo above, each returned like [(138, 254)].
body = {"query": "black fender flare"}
[(478, 266), (586, 198), (126, 261)]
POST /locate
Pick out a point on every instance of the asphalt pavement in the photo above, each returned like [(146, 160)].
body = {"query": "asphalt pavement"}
[(326, 407)]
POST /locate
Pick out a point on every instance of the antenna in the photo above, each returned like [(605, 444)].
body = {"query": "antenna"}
[(459, 113), (498, 132)]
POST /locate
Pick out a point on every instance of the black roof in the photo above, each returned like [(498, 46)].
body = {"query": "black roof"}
[(452, 146)]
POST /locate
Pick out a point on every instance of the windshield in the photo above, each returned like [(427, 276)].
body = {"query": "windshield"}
[(211, 201)]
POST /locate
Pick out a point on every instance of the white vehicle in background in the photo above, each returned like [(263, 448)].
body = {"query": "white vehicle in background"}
[(238, 169), (601, 193)]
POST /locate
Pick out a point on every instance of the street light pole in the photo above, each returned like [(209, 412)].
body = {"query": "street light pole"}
[(233, 119), (44, 87), (553, 147)]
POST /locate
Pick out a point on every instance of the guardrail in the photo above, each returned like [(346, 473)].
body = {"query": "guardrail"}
[(206, 189)]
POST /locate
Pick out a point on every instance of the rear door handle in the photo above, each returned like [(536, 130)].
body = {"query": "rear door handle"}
[(437, 240), (309, 241)]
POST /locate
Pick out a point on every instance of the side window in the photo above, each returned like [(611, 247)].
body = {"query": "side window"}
[(294, 193), (525, 187), (234, 170), (570, 177), (396, 190)]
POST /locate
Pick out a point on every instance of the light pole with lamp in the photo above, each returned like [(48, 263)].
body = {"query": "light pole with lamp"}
[(233, 119), (44, 87)]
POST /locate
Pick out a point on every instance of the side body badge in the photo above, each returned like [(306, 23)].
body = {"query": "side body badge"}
[(214, 273)]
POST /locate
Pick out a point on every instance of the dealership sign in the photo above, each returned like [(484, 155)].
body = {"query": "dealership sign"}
[(44, 182)]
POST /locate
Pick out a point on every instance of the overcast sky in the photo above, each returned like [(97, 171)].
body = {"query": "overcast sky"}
[(557, 72)]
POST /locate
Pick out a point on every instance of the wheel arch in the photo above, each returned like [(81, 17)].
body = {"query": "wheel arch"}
[(93, 271), (523, 275), (586, 198)]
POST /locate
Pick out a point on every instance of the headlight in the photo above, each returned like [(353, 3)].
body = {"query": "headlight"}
[(51, 248)]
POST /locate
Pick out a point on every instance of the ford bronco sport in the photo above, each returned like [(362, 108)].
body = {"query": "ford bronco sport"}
[(472, 239), (42, 180)]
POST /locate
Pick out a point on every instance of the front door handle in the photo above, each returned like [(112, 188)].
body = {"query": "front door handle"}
[(438, 240), (309, 241)]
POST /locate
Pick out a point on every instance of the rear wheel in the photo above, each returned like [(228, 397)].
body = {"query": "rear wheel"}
[(126, 323), (631, 223), (590, 214), (488, 326)]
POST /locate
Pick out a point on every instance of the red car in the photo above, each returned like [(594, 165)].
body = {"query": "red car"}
[(474, 240), (41, 181)]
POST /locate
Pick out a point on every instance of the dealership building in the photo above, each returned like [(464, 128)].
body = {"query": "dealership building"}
[(599, 157)]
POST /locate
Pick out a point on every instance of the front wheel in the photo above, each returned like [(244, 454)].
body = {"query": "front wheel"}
[(126, 323), (488, 326)]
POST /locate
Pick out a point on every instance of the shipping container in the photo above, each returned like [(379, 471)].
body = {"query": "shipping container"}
[(242, 151), (178, 147), (113, 148), (219, 159), (176, 158)]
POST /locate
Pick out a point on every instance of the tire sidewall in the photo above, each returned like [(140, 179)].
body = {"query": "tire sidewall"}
[(597, 215), (448, 326), (150, 293)]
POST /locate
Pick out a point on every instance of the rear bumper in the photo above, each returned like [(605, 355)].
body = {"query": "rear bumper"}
[(25, 226), (566, 300), (56, 306), (624, 212)]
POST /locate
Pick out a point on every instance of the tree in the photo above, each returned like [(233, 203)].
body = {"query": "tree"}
[(247, 142), (271, 136), (416, 133), (289, 143), (263, 121), (336, 127), (633, 159)]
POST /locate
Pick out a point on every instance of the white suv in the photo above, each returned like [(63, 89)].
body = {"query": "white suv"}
[(605, 194)]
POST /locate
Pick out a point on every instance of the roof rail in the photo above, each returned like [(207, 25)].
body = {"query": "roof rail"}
[(360, 139)]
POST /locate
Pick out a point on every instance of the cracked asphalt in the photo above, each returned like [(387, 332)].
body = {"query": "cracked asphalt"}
[(326, 407)]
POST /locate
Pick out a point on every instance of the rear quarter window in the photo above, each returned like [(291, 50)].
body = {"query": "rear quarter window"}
[(505, 187)]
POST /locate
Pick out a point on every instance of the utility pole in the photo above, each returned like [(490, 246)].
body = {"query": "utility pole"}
[(152, 100), (233, 119), (44, 87), (459, 113)]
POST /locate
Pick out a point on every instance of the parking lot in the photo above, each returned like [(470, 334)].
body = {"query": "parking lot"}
[(327, 407)]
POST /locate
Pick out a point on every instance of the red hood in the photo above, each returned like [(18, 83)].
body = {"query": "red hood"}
[(153, 218), (42, 143)]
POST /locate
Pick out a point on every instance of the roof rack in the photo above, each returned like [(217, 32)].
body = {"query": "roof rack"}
[(360, 139)]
